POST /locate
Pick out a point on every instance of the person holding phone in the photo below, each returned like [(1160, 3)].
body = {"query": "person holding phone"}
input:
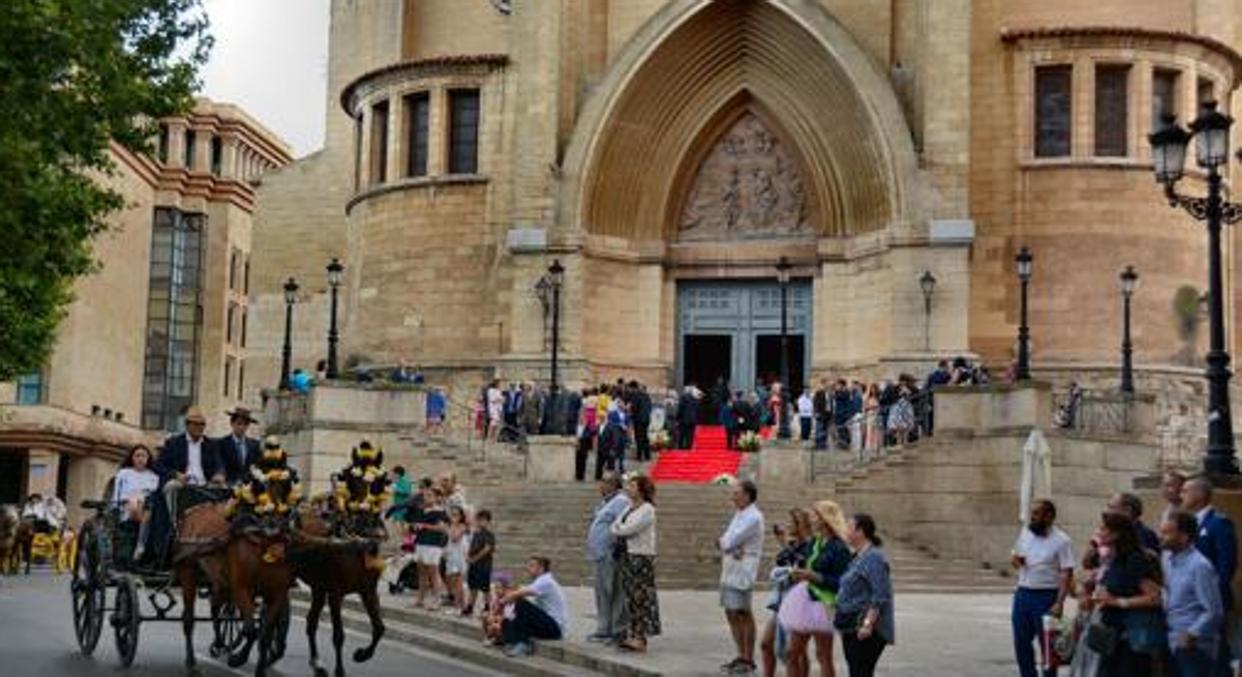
[(1044, 559)]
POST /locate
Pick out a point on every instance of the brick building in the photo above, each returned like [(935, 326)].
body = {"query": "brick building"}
[(163, 322), (669, 153)]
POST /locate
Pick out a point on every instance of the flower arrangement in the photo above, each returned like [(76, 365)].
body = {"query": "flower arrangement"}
[(659, 441), (724, 479), (749, 442)]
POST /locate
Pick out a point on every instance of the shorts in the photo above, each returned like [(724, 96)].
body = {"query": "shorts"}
[(479, 577), (733, 599), (428, 555)]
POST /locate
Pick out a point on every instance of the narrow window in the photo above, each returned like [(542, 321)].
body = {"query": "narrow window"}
[(228, 334), (1111, 110), (1052, 111), (217, 154), (246, 276), (358, 152), (163, 144), (1163, 95), (228, 376), (464, 131), (243, 327), (188, 155), (234, 264), (1205, 91), (418, 110), (379, 142), (241, 378)]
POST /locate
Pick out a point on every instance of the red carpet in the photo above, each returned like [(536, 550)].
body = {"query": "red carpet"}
[(708, 459)]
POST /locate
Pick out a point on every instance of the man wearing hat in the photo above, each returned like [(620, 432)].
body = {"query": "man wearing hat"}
[(189, 458), (237, 451)]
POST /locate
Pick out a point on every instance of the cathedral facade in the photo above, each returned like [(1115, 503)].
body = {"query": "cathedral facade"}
[(707, 171)]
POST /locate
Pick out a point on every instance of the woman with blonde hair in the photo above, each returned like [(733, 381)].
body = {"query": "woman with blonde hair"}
[(807, 610)]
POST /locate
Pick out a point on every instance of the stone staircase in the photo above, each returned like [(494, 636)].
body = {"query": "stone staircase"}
[(551, 520)]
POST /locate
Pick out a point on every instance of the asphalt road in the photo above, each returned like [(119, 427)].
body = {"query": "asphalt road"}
[(36, 640)]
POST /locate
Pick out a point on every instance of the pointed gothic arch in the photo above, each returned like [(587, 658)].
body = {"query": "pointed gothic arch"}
[(688, 67)]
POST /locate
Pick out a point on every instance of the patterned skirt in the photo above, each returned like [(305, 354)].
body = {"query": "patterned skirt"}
[(638, 582)]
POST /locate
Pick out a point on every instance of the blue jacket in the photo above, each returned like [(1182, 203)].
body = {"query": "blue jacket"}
[(1219, 544), (599, 538)]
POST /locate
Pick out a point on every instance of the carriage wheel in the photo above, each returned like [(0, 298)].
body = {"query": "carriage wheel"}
[(125, 620), (228, 628), (88, 593)]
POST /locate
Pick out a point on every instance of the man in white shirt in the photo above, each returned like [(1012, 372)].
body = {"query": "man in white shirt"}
[(1044, 559), (539, 610), (741, 547)]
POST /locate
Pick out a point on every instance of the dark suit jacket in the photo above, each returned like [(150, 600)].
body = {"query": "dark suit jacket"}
[(176, 456), (1219, 544), (234, 467)]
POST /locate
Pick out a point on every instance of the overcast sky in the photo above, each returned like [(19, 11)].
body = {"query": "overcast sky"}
[(271, 58)]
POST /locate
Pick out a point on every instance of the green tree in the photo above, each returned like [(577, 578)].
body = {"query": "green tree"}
[(75, 76)]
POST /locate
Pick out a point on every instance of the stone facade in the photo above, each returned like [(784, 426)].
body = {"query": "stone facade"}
[(904, 137), (88, 407)]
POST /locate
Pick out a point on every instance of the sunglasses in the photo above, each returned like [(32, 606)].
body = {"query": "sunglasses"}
[(271, 446)]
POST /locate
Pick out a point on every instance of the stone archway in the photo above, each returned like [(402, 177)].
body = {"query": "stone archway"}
[(687, 67)]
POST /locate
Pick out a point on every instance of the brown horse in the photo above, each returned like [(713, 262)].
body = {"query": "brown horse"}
[(334, 568), (23, 547), (240, 564), (10, 520)]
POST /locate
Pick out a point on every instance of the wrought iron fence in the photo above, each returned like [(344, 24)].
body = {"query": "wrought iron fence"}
[(1093, 412)]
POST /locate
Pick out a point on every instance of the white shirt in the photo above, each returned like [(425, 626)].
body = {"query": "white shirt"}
[(131, 482), (546, 594), (194, 462), (806, 406), (1046, 557), (745, 532)]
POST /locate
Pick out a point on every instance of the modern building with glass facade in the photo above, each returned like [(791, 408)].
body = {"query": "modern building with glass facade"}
[(163, 322)]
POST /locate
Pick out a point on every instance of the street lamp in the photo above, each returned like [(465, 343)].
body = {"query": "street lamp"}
[(1129, 282), (1211, 134), (928, 284), (556, 278), (291, 297), (335, 270), (1024, 260), (782, 276)]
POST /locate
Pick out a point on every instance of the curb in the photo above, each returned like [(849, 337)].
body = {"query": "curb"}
[(428, 630)]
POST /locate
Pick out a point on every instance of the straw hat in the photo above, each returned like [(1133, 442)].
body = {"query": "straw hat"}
[(195, 415), (830, 513)]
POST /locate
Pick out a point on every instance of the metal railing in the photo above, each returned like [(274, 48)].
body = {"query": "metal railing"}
[(1093, 412)]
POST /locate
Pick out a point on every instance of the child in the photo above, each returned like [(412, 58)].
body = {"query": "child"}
[(455, 559), (494, 617), (479, 559), (431, 535)]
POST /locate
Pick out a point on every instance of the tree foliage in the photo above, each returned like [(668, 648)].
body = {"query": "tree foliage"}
[(76, 75)]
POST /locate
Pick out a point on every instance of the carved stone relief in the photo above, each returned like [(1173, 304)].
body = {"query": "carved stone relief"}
[(747, 187)]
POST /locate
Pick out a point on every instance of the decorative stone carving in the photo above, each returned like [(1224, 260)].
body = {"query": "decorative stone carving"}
[(747, 187)]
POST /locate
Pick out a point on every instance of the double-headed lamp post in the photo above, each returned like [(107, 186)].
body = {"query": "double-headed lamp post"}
[(556, 277), (1168, 149), (1024, 261), (335, 271), (928, 284), (286, 355), (782, 275), (1129, 282)]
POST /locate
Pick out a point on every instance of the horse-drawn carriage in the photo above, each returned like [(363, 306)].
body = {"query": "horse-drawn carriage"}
[(106, 583), (232, 553)]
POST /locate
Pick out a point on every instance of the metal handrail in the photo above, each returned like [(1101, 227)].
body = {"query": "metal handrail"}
[(866, 438)]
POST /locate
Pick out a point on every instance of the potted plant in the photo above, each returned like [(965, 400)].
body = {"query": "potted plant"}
[(749, 442)]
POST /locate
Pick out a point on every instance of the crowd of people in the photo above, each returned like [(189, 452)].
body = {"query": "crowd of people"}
[(1150, 601)]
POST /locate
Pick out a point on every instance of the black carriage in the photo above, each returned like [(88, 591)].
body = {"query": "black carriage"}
[(103, 563)]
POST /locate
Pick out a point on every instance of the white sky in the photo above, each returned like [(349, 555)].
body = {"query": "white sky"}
[(271, 58)]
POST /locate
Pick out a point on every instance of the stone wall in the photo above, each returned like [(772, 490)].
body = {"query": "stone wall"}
[(958, 493)]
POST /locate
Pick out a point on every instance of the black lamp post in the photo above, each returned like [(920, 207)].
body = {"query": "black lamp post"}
[(286, 356), (928, 284), (1129, 282), (782, 273), (335, 270), (1211, 134), (556, 277), (1024, 260)]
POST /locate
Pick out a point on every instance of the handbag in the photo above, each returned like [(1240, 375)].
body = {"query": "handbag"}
[(1101, 638), (848, 623)]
